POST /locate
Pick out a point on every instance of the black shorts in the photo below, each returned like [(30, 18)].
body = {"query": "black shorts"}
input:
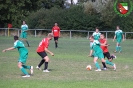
[(42, 54), (56, 38), (107, 54)]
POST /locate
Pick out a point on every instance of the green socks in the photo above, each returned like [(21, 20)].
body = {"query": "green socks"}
[(117, 48), (24, 71), (97, 65), (108, 62), (26, 67), (120, 49)]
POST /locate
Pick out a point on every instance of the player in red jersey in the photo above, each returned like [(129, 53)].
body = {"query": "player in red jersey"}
[(42, 49), (106, 53), (56, 33)]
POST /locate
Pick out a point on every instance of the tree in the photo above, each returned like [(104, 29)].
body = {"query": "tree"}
[(14, 11), (48, 4), (73, 18)]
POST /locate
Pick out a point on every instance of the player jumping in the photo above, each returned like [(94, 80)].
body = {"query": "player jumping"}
[(98, 54), (23, 56), (42, 49), (118, 36)]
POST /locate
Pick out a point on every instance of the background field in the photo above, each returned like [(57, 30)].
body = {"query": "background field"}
[(67, 66)]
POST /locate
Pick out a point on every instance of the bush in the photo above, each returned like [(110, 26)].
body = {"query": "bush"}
[(85, 16), (68, 19)]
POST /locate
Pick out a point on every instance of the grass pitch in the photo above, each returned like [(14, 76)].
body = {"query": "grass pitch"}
[(68, 66)]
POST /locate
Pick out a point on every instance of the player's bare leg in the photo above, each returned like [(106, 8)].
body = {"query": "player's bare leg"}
[(46, 64), (23, 70), (109, 63), (110, 59), (96, 64), (27, 42), (23, 39), (40, 64), (117, 47)]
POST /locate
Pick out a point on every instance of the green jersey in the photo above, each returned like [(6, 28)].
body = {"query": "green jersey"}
[(96, 47), (21, 48), (96, 35), (118, 34), (24, 27)]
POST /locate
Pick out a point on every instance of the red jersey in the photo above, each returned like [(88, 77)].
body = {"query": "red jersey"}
[(104, 48), (56, 31), (42, 45)]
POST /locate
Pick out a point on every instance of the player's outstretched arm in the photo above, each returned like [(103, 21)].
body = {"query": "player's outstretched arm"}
[(11, 48), (46, 49)]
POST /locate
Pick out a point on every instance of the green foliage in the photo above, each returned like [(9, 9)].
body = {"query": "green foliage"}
[(44, 13), (48, 4), (68, 19), (125, 23), (14, 11), (108, 14), (85, 16)]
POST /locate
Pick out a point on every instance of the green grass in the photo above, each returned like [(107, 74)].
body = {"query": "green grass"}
[(67, 66)]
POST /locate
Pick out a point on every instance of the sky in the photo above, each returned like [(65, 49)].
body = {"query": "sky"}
[(74, 1)]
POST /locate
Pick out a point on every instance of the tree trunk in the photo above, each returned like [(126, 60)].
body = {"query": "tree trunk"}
[(71, 2)]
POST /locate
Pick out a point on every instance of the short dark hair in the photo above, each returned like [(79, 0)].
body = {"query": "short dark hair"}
[(97, 27), (16, 37), (118, 26)]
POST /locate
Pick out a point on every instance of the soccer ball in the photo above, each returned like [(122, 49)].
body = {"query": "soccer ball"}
[(88, 67)]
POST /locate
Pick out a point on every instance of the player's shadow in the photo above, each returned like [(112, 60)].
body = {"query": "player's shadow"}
[(52, 69)]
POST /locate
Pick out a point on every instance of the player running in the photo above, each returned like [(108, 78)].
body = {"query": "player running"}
[(106, 53), (42, 49), (23, 52), (96, 36), (56, 33), (24, 29), (98, 54), (118, 36)]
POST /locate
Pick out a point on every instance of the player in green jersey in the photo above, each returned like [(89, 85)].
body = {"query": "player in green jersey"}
[(23, 52), (96, 34), (118, 36), (24, 29), (98, 54)]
